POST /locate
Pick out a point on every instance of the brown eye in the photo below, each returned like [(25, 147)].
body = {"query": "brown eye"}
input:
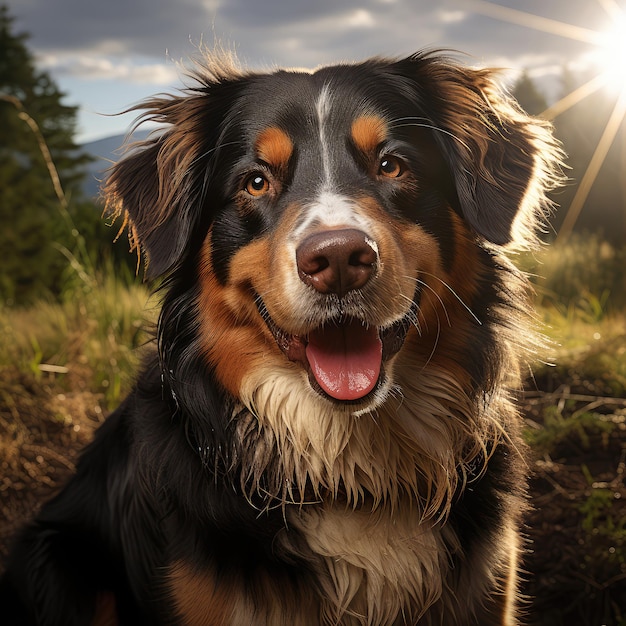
[(257, 185), (390, 167)]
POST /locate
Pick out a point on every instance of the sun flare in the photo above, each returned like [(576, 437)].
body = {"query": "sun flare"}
[(611, 54), (608, 57)]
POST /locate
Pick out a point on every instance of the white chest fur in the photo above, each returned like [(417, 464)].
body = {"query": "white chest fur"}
[(374, 566)]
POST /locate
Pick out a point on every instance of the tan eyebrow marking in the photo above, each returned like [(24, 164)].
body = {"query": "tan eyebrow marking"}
[(275, 147), (368, 132)]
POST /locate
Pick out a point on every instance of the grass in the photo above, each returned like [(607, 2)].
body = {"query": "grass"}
[(64, 364), (88, 339), (584, 279)]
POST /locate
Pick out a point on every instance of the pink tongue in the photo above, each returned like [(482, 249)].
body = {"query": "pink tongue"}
[(345, 359)]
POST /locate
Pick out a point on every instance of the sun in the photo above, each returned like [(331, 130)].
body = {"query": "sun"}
[(610, 57)]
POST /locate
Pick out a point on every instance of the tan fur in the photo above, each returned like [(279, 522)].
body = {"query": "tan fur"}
[(201, 599), (421, 433), (274, 147), (368, 132), (204, 598), (230, 323)]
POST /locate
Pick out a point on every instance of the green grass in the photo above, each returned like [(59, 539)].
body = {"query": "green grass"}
[(583, 278), (88, 339), (581, 302)]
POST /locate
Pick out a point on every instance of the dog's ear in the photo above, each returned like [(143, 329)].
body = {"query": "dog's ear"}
[(160, 188), (502, 161)]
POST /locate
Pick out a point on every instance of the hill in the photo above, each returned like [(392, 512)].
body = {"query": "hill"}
[(105, 152)]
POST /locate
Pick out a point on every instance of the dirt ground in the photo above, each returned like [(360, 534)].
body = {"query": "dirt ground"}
[(575, 564), (38, 444)]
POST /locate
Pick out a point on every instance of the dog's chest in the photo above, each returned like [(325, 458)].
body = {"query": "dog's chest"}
[(374, 564), (357, 567)]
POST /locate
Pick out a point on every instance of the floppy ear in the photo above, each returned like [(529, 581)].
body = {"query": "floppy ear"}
[(132, 192), (161, 187), (502, 161)]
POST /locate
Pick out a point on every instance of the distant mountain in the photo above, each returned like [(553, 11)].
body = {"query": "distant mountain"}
[(105, 152)]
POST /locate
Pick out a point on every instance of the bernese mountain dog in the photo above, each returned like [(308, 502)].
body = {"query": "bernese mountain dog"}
[(326, 434)]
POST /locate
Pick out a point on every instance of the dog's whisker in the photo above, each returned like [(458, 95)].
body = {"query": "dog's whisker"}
[(448, 288), (210, 151), (424, 123), (456, 295), (438, 297), (435, 342)]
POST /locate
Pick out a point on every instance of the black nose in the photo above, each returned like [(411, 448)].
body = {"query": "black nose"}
[(337, 261)]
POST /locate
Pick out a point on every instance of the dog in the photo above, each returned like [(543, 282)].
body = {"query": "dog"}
[(326, 433)]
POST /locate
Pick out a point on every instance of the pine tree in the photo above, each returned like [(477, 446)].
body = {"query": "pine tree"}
[(529, 97), (31, 264)]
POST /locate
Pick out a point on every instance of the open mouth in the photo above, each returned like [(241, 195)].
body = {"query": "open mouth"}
[(344, 357)]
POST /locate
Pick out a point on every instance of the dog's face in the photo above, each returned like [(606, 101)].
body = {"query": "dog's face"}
[(331, 218), (325, 235)]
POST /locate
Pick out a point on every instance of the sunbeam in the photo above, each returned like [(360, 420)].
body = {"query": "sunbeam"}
[(536, 22), (574, 97), (609, 57), (611, 7), (611, 54), (604, 144)]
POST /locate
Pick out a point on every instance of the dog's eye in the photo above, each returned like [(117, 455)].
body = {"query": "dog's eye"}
[(390, 167), (257, 185)]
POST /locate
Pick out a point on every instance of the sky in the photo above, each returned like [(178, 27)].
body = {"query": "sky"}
[(108, 55)]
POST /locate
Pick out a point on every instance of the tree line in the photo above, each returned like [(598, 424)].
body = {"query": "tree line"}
[(40, 234)]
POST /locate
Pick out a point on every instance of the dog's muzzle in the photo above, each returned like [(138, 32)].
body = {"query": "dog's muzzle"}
[(345, 355)]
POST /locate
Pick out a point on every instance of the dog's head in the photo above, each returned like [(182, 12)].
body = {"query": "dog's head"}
[(324, 217)]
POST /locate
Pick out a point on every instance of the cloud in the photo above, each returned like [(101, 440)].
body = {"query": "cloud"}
[(151, 27), (269, 14), (360, 18), (105, 39), (136, 26), (451, 15), (97, 67), (387, 27)]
